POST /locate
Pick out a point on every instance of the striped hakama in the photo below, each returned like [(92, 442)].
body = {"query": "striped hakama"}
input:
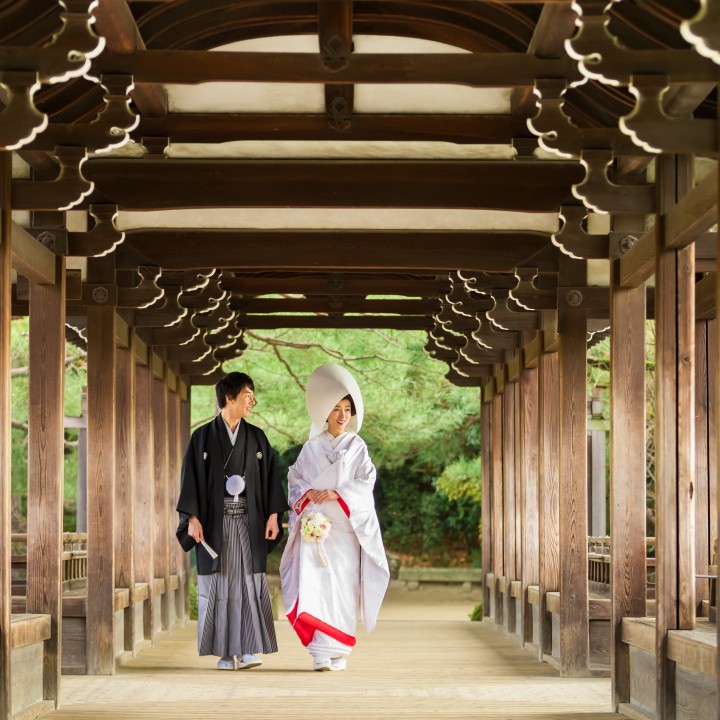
[(234, 611)]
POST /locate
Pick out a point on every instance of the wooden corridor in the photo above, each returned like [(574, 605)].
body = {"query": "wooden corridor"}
[(410, 667)]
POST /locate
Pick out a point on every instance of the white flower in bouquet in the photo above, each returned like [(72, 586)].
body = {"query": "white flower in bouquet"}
[(315, 527)]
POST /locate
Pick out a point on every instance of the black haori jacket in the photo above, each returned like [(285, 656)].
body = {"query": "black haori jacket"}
[(202, 491)]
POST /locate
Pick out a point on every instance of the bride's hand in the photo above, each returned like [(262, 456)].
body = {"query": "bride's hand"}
[(323, 496)]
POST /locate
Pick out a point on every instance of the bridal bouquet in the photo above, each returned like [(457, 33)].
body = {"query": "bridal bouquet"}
[(315, 527)]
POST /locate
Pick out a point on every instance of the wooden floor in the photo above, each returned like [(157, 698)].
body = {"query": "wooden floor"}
[(424, 660)]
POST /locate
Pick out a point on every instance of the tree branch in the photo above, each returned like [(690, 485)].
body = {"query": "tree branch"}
[(22, 371), (18, 425), (276, 429), (288, 368)]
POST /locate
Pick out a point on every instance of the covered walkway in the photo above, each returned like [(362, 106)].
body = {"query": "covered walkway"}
[(424, 660)]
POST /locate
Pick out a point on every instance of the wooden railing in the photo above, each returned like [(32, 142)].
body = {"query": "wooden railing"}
[(599, 564), (74, 559)]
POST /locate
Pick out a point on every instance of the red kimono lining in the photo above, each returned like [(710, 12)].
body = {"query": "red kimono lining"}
[(305, 625)]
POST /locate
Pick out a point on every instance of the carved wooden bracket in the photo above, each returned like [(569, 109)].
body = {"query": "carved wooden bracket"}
[(650, 128), (102, 239), (335, 52), (489, 337), (68, 54), (533, 292), (601, 56), (110, 129), (196, 350), (206, 298), (20, 120), (340, 113), (599, 194), (573, 240), (201, 369), (559, 135), (225, 337), (508, 315), (180, 334), (68, 189), (145, 293), (703, 30), (214, 320)]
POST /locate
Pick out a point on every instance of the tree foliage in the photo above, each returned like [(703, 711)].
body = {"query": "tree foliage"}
[(423, 432), (416, 425)]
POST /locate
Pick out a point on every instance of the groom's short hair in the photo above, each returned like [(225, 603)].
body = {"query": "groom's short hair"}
[(231, 385)]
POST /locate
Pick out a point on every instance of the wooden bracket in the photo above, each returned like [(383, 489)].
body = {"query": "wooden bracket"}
[(653, 130), (507, 315), (559, 135), (603, 58), (145, 293), (598, 193), (68, 189), (104, 236), (528, 295), (703, 30), (20, 120), (573, 240)]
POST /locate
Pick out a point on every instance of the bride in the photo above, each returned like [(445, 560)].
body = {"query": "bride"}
[(324, 582)]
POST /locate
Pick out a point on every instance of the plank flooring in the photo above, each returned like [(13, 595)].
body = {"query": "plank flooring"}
[(425, 659)]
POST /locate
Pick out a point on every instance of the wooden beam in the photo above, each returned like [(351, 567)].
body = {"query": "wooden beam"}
[(133, 184), (694, 213), (627, 472), (638, 264), (358, 322), (229, 127), (46, 463), (101, 489), (334, 305), (115, 22), (174, 459), (5, 431), (188, 67), (331, 284), (555, 24), (30, 258), (337, 250), (685, 222)]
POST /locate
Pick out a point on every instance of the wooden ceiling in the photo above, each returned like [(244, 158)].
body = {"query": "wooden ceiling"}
[(592, 94)]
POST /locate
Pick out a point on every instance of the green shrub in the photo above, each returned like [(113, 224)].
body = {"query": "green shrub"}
[(477, 613)]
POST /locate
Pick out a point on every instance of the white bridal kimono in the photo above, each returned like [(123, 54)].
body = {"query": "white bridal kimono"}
[(321, 601)]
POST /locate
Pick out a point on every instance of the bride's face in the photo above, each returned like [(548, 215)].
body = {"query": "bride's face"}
[(339, 418)]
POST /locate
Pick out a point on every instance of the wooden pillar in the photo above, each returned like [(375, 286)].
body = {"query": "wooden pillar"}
[(5, 426), (509, 500), (572, 359), (184, 393), (46, 460), (529, 425), (160, 482), (144, 538), (498, 523), (173, 444), (487, 499), (101, 489), (549, 490), (674, 430), (627, 472), (125, 484), (703, 403)]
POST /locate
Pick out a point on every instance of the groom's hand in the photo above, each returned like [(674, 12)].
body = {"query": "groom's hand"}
[(271, 527)]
